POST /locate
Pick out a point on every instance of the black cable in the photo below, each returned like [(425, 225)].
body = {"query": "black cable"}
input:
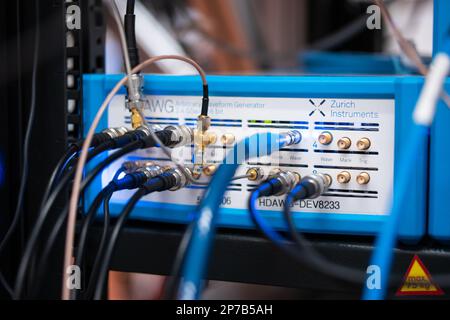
[(100, 142), (31, 243), (315, 261), (129, 181), (6, 285), (48, 247), (103, 268), (303, 256), (106, 192), (302, 252), (101, 247), (130, 33), (53, 177), (56, 230), (26, 144), (142, 142), (59, 169), (88, 220), (130, 6), (159, 183), (205, 101)]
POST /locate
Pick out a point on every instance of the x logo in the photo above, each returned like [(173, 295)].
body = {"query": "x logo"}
[(317, 107)]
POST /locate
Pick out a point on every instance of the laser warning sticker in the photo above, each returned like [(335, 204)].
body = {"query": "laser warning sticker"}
[(418, 282)]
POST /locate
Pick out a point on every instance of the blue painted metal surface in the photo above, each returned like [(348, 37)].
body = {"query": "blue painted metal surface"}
[(404, 89)]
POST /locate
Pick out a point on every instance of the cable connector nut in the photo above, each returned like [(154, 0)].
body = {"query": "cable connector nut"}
[(132, 166), (135, 88), (288, 181), (181, 180), (320, 183), (181, 135)]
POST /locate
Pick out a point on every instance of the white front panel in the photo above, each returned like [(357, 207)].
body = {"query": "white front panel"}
[(373, 119)]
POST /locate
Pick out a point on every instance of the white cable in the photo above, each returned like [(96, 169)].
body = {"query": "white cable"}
[(427, 103)]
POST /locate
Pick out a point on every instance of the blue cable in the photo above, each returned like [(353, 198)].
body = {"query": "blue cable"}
[(387, 237), (68, 161), (266, 228), (198, 251), (64, 166)]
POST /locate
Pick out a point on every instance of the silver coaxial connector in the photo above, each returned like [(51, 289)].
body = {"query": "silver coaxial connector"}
[(135, 86), (293, 137), (122, 130), (181, 135), (181, 180), (288, 180), (116, 132), (132, 166), (145, 130)]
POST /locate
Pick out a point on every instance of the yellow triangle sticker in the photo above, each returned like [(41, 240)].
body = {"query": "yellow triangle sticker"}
[(418, 282)]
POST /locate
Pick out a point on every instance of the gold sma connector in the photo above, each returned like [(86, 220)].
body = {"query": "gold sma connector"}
[(363, 144), (203, 137), (254, 174), (344, 143), (228, 139), (209, 170)]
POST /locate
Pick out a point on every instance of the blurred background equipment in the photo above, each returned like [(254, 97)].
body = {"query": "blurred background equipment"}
[(273, 38)]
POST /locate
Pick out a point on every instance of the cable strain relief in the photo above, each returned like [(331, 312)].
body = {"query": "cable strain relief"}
[(100, 138), (97, 139), (299, 192), (122, 141), (112, 186), (310, 187), (268, 188), (139, 179), (162, 182), (130, 181), (205, 100), (166, 138), (170, 180), (277, 186), (134, 135)]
